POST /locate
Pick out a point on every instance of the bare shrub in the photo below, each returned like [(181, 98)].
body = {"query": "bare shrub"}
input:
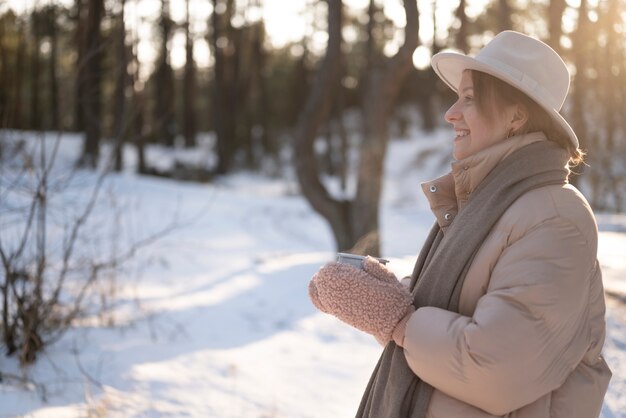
[(51, 256)]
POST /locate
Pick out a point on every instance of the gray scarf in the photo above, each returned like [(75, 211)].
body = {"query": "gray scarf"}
[(394, 391)]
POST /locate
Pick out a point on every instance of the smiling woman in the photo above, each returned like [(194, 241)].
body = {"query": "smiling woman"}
[(512, 252)]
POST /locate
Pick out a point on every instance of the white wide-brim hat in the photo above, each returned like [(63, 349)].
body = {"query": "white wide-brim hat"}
[(526, 63)]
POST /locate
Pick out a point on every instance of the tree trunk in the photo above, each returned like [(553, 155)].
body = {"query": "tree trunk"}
[(315, 112), (120, 112), (79, 40), (580, 39), (381, 93), (5, 82), (299, 86), (339, 153), (164, 121), (461, 36), (505, 13), (556, 8), (35, 70), (232, 91), (370, 55), (224, 111), (189, 89), (612, 76), (91, 84), (54, 105), (608, 75), (138, 132), (218, 87), (18, 113), (262, 102), (137, 113)]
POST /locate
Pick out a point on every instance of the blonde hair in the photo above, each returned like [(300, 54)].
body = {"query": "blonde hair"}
[(492, 95)]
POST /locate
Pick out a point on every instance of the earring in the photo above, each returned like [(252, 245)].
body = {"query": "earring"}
[(510, 133)]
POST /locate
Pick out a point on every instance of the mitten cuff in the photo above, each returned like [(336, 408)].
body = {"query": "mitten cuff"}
[(398, 332)]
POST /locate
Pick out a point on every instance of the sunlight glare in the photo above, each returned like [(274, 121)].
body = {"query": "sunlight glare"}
[(395, 12), (357, 4), (178, 53), (475, 8), (284, 21), (390, 49), (254, 14), (569, 20), (421, 57)]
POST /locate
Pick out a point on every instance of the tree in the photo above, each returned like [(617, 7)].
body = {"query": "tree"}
[(504, 15), (314, 114), (354, 222), (253, 92), (611, 76), (51, 31), (189, 86), (137, 120), (263, 101), (223, 97), (122, 83), (90, 79), (164, 120), (35, 70), (12, 70), (381, 91), (80, 11), (556, 8), (582, 44), (462, 33)]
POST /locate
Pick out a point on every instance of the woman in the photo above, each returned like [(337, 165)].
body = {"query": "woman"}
[(504, 313)]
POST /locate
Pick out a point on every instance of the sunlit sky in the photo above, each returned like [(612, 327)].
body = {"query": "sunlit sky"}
[(286, 21)]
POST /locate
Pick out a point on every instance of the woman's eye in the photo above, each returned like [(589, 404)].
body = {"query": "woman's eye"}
[(468, 99)]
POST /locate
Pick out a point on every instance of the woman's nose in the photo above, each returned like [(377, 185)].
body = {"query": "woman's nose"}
[(453, 114)]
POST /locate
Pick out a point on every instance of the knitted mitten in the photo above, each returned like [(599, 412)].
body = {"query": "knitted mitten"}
[(371, 300), (378, 270)]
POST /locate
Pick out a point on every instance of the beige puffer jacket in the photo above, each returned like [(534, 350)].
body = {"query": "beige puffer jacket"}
[(527, 341)]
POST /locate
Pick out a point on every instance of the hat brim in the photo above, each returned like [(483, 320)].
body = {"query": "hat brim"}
[(449, 66)]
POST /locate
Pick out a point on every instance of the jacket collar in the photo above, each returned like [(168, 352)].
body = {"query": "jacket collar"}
[(449, 193)]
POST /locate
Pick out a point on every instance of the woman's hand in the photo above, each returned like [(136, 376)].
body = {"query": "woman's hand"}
[(372, 299)]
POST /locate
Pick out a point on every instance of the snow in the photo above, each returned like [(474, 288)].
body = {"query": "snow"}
[(213, 320)]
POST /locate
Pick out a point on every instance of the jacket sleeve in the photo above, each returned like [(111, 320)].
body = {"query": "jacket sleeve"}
[(528, 331)]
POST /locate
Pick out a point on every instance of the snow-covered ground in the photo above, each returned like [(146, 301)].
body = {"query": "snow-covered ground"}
[(214, 320)]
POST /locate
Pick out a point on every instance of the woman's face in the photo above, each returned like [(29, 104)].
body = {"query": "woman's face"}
[(474, 131)]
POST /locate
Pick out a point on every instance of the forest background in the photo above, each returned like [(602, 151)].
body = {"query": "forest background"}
[(263, 76)]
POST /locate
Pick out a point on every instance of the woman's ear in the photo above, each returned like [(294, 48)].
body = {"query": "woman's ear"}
[(519, 118)]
